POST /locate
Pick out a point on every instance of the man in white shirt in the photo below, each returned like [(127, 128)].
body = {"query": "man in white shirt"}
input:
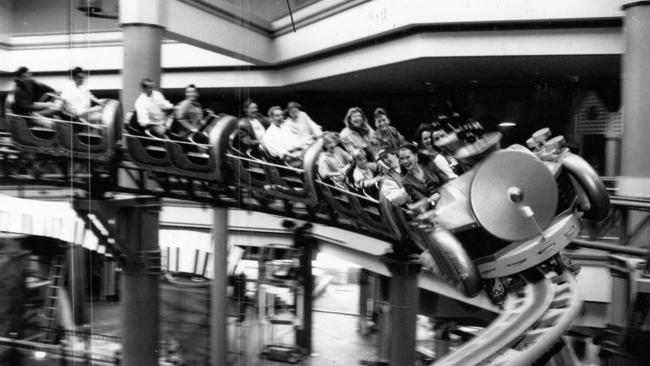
[(281, 141), (77, 98), (152, 109)]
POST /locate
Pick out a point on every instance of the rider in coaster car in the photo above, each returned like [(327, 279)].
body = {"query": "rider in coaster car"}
[(365, 174), (422, 177), (387, 136), (153, 109), (282, 142), (333, 162), (28, 94), (77, 98), (189, 114), (251, 129)]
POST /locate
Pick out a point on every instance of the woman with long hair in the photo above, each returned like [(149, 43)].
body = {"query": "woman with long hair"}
[(358, 133), (425, 139)]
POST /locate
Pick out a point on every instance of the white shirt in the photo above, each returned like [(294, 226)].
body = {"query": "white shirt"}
[(394, 193), (443, 165), (150, 108), (76, 99), (279, 141), (304, 126)]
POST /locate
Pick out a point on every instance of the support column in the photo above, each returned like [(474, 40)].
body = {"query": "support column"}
[(364, 291), (78, 276), (307, 244), (612, 147), (137, 228), (404, 304), (141, 37), (636, 90), (219, 290)]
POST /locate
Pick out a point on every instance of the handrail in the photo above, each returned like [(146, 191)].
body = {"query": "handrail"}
[(87, 124), (263, 162), (347, 191), (614, 248)]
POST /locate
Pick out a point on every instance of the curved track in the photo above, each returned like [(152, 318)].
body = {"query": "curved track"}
[(533, 320)]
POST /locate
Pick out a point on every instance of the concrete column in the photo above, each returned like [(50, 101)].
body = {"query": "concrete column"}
[(404, 304), (141, 37), (78, 276), (364, 291), (6, 16), (612, 148), (636, 90), (218, 293), (307, 244), (137, 227)]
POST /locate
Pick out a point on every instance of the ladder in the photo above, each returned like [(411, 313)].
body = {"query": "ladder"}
[(57, 273)]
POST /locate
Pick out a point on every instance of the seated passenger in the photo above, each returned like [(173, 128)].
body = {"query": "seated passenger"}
[(27, 98), (365, 174), (152, 109), (387, 135), (421, 180), (77, 98), (251, 129), (301, 123), (358, 133), (441, 141), (280, 140), (391, 186), (424, 137), (189, 114), (334, 162)]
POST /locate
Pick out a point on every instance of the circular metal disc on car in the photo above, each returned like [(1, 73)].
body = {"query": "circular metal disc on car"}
[(507, 189)]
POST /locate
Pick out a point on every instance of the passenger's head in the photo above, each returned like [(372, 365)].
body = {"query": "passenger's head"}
[(23, 73), (293, 108), (250, 108), (408, 156), (78, 75), (276, 115), (424, 136), (360, 157), (147, 86), (389, 158), (355, 118), (382, 122), (330, 141), (191, 92)]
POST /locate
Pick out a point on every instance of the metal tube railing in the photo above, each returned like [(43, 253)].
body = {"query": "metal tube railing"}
[(613, 248)]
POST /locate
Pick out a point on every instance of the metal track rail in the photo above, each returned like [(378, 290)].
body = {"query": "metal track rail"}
[(532, 321)]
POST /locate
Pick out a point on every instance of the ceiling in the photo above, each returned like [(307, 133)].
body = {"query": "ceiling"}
[(431, 74)]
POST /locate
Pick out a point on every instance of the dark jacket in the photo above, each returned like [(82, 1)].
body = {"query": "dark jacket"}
[(433, 178), (26, 93)]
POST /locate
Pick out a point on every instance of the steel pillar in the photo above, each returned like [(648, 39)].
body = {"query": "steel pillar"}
[(218, 292), (78, 276), (404, 304), (137, 232)]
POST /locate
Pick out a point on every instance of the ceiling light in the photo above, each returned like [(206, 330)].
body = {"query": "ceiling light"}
[(507, 124)]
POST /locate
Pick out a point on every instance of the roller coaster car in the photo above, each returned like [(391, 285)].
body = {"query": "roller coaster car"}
[(94, 141), (262, 173), (70, 136), (510, 212), (194, 156), (144, 149)]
